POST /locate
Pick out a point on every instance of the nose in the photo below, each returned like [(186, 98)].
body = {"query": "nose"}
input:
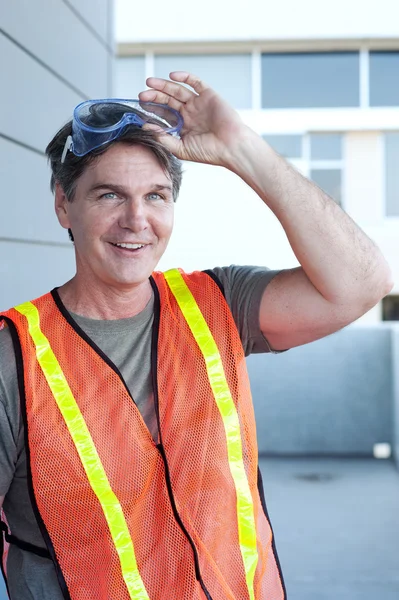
[(133, 216)]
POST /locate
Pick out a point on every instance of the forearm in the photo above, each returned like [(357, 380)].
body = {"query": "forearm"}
[(342, 263)]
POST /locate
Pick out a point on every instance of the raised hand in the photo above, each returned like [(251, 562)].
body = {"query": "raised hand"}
[(211, 127)]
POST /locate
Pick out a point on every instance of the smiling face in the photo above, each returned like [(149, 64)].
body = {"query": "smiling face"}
[(121, 217)]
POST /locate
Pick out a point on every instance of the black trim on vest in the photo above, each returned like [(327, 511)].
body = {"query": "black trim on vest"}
[(12, 539), (216, 279), (68, 317), (39, 520), (263, 502), (161, 449)]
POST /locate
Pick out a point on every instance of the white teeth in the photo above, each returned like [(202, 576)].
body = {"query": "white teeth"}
[(130, 246)]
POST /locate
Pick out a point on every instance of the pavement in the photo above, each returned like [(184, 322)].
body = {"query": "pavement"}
[(336, 525)]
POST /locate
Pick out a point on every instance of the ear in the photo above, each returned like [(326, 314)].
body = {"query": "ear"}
[(61, 206)]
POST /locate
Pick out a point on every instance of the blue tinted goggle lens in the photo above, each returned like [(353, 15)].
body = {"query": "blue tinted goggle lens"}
[(100, 114), (97, 122)]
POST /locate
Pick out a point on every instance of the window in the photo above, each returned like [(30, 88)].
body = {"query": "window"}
[(390, 308), (228, 74), (310, 80), (326, 163), (392, 174), (325, 146), (129, 76), (289, 146), (384, 78)]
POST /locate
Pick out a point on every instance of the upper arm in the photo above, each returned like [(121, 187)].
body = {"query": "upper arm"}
[(293, 312), (1, 501)]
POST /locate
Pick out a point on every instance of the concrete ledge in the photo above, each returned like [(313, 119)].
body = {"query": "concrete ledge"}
[(332, 397)]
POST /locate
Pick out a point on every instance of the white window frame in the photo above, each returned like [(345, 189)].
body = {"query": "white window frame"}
[(326, 165), (364, 73)]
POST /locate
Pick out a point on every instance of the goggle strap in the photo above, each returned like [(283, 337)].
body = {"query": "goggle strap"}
[(68, 146)]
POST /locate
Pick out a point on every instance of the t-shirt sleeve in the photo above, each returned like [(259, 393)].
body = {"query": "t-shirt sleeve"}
[(9, 412), (243, 289)]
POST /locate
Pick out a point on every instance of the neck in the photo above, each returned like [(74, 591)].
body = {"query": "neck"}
[(104, 302)]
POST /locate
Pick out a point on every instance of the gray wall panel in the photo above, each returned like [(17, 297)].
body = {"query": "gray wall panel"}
[(27, 202), (46, 51), (76, 54), (94, 12), (50, 60), (36, 103), (29, 270), (332, 397)]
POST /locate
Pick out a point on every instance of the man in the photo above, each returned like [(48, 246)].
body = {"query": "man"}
[(159, 497)]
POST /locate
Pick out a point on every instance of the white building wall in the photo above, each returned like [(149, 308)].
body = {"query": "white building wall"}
[(226, 20), (53, 55), (220, 221), (364, 177)]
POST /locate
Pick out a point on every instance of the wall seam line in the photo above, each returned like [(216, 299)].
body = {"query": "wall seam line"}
[(44, 65), (22, 144), (80, 18)]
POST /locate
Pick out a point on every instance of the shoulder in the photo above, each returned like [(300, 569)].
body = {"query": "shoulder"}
[(244, 286), (9, 394), (241, 282)]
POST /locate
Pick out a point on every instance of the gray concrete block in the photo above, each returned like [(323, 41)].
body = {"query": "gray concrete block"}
[(331, 397)]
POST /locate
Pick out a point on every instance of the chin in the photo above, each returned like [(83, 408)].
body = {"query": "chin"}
[(130, 281)]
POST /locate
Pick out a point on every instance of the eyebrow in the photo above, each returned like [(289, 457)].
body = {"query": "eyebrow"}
[(121, 190)]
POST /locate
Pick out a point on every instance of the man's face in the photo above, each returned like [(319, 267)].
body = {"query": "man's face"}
[(121, 217)]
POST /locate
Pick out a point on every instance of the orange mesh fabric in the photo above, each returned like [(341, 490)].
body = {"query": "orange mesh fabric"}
[(200, 473), (195, 447), (67, 504)]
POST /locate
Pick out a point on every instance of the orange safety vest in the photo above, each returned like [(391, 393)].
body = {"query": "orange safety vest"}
[(122, 516)]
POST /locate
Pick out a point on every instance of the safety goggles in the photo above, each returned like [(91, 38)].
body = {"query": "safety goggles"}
[(97, 122)]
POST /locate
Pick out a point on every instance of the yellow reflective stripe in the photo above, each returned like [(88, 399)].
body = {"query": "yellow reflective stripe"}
[(226, 406), (87, 452)]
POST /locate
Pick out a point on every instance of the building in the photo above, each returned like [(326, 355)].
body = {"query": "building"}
[(53, 55), (320, 83), (335, 397)]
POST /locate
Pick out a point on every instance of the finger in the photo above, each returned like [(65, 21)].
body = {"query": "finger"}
[(160, 98), (179, 92), (171, 143), (189, 79)]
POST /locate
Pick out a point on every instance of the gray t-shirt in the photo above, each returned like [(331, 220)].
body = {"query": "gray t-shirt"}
[(127, 342)]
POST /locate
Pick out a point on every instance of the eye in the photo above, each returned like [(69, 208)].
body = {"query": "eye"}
[(109, 196), (155, 196)]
